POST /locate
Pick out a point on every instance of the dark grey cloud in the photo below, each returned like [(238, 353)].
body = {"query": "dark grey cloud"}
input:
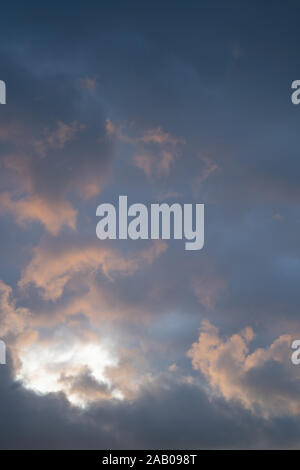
[(170, 416)]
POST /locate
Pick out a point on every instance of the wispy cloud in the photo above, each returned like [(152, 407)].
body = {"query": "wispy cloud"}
[(155, 151)]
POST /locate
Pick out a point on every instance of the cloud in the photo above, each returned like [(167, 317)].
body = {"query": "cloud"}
[(54, 265), (79, 361), (83, 388), (209, 166), (67, 362), (51, 215), (58, 153), (154, 420), (89, 83), (13, 319), (208, 289), (155, 151), (61, 135), (263, 381)]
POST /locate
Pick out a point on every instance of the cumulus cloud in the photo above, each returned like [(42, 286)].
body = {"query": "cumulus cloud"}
[(263, 380), (85, 364), (67, 362)]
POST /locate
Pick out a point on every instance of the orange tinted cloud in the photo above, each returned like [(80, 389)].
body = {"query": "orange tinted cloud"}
[(53, 266), (209, 167), (208, 289), (238, 374), (155, 151), (42, 177), (78, 362), (88, 82), (52, 215), (62, 134), (13, 319)]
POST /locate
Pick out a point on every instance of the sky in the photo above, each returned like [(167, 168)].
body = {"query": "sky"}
[(123, 344)]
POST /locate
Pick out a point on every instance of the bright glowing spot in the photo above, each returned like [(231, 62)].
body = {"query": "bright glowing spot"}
[(67, 364)]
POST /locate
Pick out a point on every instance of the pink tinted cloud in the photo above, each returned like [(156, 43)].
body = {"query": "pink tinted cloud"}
[(238, 374), (155, 151), (53, 266), (52, 215)]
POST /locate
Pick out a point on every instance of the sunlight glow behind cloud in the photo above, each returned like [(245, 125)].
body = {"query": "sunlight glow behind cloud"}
[(58, 368)]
